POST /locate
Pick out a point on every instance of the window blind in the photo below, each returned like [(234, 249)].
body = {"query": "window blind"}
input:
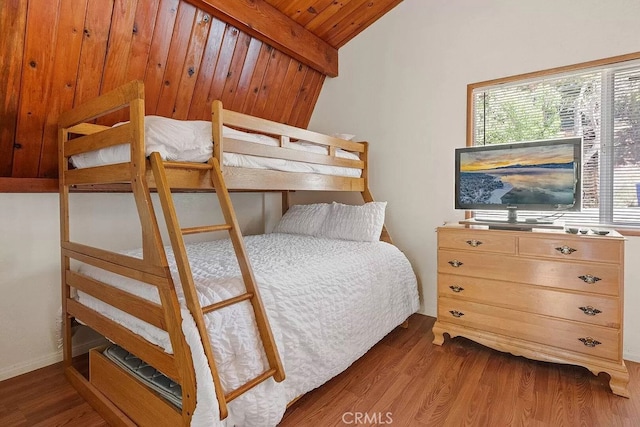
[(601, 105)]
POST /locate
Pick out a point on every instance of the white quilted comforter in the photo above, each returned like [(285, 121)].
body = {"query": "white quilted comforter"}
[(328, 302)]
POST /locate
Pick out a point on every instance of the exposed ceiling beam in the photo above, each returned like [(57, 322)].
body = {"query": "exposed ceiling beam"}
[(268, 24)]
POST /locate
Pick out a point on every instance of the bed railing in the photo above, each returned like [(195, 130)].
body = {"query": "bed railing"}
[(77, 134), (152, 268)]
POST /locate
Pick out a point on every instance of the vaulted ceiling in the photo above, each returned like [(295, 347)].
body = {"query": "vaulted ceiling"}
[(267, 58)]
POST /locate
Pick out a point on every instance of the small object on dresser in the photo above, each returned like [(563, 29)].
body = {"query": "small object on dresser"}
[(600, 232), (584, 230), (572, 230)]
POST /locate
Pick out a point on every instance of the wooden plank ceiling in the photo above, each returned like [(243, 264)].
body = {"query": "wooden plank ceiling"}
[(268, 58)]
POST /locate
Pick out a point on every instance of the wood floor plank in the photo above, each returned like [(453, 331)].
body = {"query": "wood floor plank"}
[(404, 380)]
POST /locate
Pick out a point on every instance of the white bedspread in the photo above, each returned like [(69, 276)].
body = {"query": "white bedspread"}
[(190, 141), (328, 302)]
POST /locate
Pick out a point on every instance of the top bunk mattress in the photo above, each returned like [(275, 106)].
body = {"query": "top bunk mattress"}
[(328, 302), (191, 141)]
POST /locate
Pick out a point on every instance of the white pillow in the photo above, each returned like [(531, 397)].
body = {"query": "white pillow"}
[(303, 219), (361, 223)]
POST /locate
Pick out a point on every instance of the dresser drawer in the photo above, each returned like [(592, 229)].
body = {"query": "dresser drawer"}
[(569, 336), (588, 308), (572, 248), (579, 276), (478, 240)]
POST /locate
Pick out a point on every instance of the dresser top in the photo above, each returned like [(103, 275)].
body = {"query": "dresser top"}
[(591, 231)]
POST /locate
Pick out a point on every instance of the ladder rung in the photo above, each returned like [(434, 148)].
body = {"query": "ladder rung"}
[(227, 302), (205, 229), (187, 165), (254, 382)]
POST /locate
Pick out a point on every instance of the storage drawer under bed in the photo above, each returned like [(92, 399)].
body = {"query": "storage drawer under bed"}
[(139, 402)]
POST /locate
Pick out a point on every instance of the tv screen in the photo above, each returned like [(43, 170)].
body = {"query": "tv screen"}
[(537, 176)]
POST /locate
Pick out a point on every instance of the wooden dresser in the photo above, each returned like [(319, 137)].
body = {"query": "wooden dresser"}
[(545, 295)]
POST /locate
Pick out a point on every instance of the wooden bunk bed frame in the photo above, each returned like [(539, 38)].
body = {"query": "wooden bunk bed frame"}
[(114, 393)]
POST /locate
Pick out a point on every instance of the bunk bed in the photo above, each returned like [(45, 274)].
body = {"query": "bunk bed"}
[(192, 313)]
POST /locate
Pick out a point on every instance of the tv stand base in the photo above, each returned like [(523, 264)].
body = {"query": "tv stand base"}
[(514, 226)]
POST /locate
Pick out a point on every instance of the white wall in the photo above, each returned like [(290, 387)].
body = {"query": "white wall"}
[(30, 258), (402, 86)]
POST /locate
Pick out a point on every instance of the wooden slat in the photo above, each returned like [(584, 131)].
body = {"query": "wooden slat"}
[(67, 57), (232, 118), (137, 345), (143, 27), (287, 91), (243, 147), (176, 59), (28, 185), (87, 128), (303, 11), (95, 141), (227, 49), (136, 306), (120, 172), (235, 68), (134, 268), (271, 83), (184, 179), (13, 19), (191, 67), (119, 46), (205, 229), (264, 56), (200, 107), (258, 180), (161, 41), (306, 103), (268, 24), (94, 49), (289, 103), (248, 386), (335, 15), (187, 165), (37, 67), (302, 97), (103, 104), (244, 82), (227, 302), (325, 16)]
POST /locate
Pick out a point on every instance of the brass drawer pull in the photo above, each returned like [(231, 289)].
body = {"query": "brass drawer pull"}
[(474, 243), (455, 263), (456, 313), (590, 311), (456, 288), (589, 278), (565, 250), (589, 342)]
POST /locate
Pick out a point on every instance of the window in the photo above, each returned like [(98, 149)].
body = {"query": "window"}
[(598, 101)]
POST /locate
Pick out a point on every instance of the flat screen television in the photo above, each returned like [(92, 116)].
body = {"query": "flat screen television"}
[(533, 176)]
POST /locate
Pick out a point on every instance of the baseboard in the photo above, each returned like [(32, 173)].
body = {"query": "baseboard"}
[(46, 360), (632, 357)]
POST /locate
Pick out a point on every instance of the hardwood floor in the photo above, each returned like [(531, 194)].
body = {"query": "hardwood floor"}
[(404, 380)]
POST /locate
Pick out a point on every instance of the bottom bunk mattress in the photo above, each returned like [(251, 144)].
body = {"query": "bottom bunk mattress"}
[(328, 302)]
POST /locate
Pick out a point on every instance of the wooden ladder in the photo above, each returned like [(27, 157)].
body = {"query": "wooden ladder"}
[(176, 235)]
